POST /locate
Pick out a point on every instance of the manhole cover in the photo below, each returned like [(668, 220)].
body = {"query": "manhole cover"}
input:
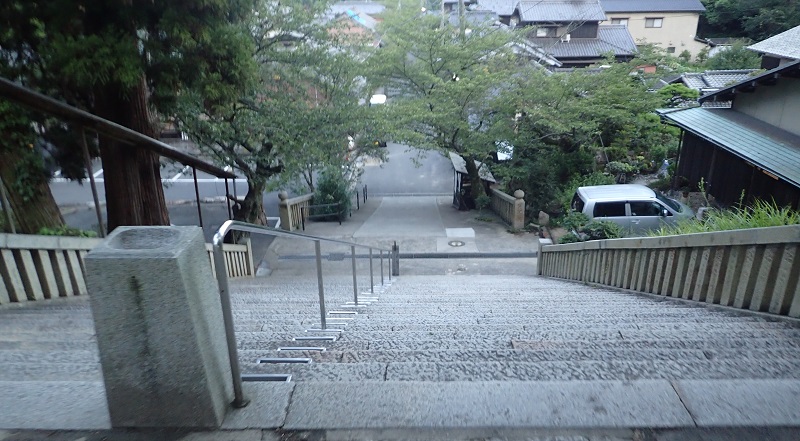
[(456, 243)]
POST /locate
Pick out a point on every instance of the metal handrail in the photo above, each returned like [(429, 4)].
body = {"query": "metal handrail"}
[(224, 289)]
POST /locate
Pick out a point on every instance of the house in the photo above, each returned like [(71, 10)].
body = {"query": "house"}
[(780, 49), (712, 80), (568, 30), (751, 148), (671, 24), (357, 26)]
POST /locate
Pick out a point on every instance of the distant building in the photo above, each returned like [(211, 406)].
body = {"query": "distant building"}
[(671, 24), (781, 49)]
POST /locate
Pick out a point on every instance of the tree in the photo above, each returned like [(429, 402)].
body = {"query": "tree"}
[(23, 175), (571, 123), (297, 118), (737, 56), (124, 61), (446, 85), (753, 19)]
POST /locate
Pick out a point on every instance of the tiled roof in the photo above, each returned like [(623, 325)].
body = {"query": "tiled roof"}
[(362, 19), (610, 38), (367, 7), (751, 82), (774, 150), (784, 45), (652, 5), (501, 7), (533, 11), (714, 79)]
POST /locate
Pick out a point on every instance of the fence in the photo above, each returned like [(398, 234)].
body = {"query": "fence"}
[(42, 267), (46, 267), (510, 208), (238, 259), (292, 210), (756, 269)]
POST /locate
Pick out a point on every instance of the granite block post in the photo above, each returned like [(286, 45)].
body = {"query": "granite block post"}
[(159, 328)]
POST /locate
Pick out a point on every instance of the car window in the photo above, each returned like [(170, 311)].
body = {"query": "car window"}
[(609, 209), (670, 202), (645, 208)]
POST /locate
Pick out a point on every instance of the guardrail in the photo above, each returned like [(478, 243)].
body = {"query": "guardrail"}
[(510, 208), (36, 267), (756, 269), (224, 289), (291, 210)]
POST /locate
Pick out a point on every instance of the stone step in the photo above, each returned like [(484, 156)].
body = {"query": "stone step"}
[(530, 356), (692, 343), (84, 371), (536, 371), (48, 357)]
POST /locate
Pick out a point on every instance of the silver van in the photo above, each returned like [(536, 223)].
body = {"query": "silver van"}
[(636, 208)]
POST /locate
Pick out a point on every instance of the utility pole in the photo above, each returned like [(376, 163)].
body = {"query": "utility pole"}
[(462, 25)]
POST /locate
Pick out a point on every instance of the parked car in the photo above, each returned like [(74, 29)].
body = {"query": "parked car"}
[(636, 208)]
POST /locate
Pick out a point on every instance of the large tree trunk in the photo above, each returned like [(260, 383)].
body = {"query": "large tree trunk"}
[(39, 210), (251, 209), (474, 177), (134, 195)]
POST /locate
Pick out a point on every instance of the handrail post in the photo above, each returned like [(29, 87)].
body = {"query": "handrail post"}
[(302, 218), (355, 280), (220, 268), (318, 251), (381, 253), (371, 279)]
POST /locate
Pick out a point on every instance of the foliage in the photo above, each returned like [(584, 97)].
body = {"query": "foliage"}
[(568, 122), (65, 230), (754, 19), (482, 201), (570, 237), (565, 195), (332, 188), (597, 230), (735, 57), (447, 85), (677, 95), (574, 220), (759, 214)]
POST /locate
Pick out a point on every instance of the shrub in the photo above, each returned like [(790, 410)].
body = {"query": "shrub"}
[(570, 237), (574, 221), (760, 214), (64, 230), (597, 230), (482, 201), (332, 188)]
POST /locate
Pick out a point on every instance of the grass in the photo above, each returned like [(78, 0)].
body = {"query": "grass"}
[(760, 214)]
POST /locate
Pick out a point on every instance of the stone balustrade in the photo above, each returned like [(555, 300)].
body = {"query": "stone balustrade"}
[(36, 267), (510, 208), (292, 210), (756, 269)]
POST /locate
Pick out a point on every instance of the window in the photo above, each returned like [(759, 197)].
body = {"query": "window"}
[(545, 31), (671, 49), (653, 22), (622, 21), (645, 208), (609, 209)]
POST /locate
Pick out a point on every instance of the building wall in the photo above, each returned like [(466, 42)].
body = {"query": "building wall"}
[(678, 29), (778, 105)]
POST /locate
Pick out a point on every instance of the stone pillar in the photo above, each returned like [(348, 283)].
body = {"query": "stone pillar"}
[(395, 260), (519, 210), (159, 327), (283, 211)]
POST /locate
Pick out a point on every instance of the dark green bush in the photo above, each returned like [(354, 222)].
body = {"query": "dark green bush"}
[(597, 230), (570, 237), (332, 188), (66, 231)]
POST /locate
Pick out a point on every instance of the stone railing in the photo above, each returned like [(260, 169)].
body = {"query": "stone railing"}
[(510, 208), (292, 210), (46, 267), (42, 267), (756, 269), (238, 259)]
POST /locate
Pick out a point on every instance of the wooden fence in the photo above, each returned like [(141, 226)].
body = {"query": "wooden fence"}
[(46, 267), (756, 269)]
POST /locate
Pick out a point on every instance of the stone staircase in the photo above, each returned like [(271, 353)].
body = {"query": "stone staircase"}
[(509, 328), (456, 351)]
